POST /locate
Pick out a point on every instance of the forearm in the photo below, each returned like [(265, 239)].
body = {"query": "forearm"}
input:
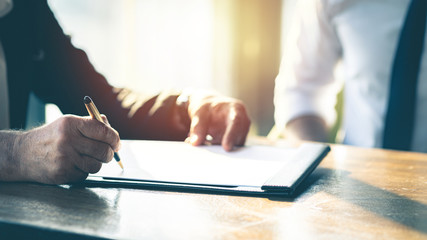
[(309, 127), (9, 164)]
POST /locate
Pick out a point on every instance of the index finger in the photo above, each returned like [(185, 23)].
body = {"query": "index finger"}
[(93, 129), (199, 126), (236, 131)]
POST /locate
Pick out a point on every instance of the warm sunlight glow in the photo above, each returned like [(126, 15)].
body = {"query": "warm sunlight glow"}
[(147, 45)]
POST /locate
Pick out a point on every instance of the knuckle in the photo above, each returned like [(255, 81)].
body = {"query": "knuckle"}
[(206, 105), (103, 129), (65, 121), (240, 107), (240, 116), (108, 133), (202, 109), (63, 129)]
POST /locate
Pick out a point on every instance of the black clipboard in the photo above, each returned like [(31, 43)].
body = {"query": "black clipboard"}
[(284, 182)]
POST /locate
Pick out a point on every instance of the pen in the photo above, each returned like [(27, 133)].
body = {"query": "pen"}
[(94, 113)]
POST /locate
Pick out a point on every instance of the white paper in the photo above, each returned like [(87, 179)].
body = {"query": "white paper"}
[(180, 162)]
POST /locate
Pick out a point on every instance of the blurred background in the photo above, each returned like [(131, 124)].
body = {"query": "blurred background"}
[(232, 46)]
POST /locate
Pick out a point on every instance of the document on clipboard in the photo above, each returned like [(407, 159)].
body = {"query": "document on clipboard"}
[(178, 166)]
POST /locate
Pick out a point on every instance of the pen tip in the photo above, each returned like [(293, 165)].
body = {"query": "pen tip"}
[(87, 100), (121, 165)]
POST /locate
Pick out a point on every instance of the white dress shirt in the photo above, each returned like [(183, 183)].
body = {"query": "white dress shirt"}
[(5, 7), (363, 36)]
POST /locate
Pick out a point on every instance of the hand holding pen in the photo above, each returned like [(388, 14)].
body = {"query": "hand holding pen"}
[(64, 151), (94, 113)]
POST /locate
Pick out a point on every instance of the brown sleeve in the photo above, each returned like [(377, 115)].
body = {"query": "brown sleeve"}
[(149, 117)]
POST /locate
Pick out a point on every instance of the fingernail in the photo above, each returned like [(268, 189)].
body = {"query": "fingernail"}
[(228, 147), (209, 138), (193, 139)]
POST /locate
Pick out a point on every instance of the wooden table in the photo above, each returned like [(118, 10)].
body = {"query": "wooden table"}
[(355, 193)]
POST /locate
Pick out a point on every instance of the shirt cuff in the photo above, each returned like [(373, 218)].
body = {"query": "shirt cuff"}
[(294, 104)]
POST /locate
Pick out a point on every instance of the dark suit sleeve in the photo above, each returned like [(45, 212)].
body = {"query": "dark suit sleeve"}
[(64, 76)]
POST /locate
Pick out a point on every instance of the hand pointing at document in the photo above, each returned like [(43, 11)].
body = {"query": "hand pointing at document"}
[(217, 119)]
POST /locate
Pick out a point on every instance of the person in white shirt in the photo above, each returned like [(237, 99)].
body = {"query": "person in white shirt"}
[(363, 35)]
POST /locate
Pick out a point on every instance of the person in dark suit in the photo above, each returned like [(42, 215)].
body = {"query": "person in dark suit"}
[(39, 58)]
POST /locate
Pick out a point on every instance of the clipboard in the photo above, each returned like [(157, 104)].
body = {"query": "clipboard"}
[(254, 170)]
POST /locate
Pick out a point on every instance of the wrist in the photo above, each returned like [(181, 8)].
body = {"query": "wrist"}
[(16, 148), (9, 164)]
